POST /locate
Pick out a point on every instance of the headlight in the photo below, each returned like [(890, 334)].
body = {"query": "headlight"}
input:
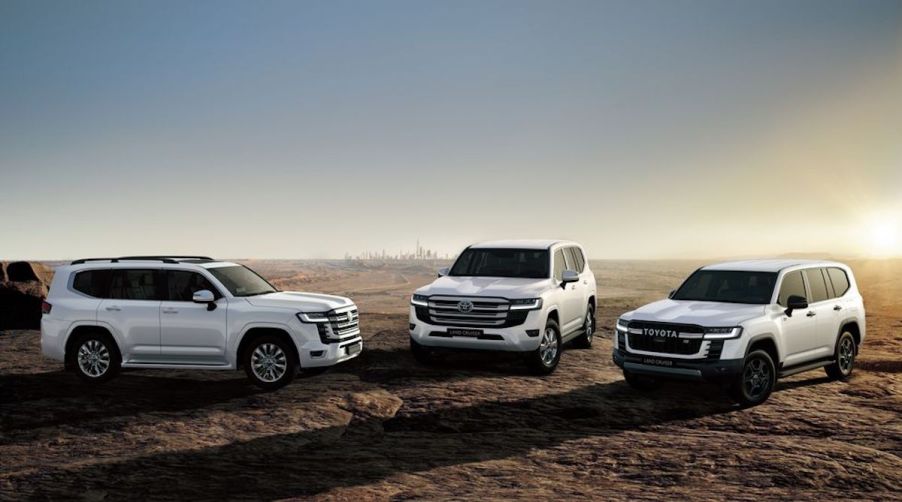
[(526, 304), (419, 300), (722, 333), (313, 317), (622, 324)]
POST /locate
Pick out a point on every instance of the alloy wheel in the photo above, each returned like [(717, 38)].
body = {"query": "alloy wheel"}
[(93, 358), (269, 362), (846, 355), (548, 347), (756, 378), (589, 326)]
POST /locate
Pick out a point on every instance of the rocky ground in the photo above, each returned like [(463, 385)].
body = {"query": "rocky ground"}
[(474, 427)]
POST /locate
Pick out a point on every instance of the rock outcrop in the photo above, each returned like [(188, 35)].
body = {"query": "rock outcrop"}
[(23, 285)]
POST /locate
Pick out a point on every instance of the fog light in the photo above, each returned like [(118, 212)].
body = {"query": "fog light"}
[(532, 333), (412, 325), (317, 353)]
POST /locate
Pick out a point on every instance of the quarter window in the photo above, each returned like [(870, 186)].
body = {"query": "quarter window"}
[(792, 286), (840, 280), (817, 284), (182, 285), (135, 284), (94, 283)]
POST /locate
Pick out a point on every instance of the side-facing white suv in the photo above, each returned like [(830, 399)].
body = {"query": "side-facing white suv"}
[(516, 296), (745, 324), (190, 312)]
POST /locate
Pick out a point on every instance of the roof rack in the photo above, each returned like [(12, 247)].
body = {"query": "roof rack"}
[(164, 259)]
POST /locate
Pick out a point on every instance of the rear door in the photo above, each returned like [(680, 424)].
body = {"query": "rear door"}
[(133, 310), (574, 296), (823, 303), (800, 329), (190, 332)]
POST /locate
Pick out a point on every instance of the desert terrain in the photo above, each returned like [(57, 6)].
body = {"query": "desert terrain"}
[(477, 426)]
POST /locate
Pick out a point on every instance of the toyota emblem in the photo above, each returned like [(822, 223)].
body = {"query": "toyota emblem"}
[(465, 306)]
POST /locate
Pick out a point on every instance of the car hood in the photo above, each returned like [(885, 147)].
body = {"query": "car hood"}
[(505, 287), (301, 302), (710, 314)]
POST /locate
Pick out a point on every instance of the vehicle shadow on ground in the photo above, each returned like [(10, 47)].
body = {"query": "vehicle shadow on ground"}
[(371, 449)]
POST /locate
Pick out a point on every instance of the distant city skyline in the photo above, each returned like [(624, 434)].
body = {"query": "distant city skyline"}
[(283, 129)]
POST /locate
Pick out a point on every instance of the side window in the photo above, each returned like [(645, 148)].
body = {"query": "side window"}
[(571, 260), (94, 283), (559, 265), (134, 284), (840, 280), (576, 259), (817, 285), (792, 286), (580, 259), (183, 284)]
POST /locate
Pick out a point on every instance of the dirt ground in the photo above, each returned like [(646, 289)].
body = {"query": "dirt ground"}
[(478, 426)]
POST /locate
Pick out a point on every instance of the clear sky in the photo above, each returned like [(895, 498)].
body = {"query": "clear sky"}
[(643, 129)]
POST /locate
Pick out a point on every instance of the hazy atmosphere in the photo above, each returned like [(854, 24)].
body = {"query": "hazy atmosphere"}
[(646, 129)]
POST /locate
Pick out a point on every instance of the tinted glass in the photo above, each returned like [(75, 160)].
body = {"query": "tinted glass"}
[(840, 280), (817, 285), (94, 283), (135, 285), (559, 265), (522, 263), (241, 281), (728, 286), (792, 286), (580, 259), (183, 284)]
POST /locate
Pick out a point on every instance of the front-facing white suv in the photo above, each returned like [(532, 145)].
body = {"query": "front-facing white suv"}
[(104, 314), (516, 296), (745, 324)]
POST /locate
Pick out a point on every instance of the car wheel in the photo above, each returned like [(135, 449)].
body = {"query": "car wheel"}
[(95, 357), (641, 382), (544, 359), (754, 385), (423, 355), (269, 362), (843, 358), (584, 341)]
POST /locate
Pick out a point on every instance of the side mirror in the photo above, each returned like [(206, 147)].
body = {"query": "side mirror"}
[(442, 272), (795, 302), (205, 296), (569, 276), (672, 292)]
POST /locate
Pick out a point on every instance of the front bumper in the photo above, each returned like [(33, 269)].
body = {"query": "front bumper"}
[(315, 354), (685, 369), (521, 338)]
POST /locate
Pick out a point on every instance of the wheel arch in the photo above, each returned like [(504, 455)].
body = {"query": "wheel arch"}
[(851, 325), (768, 343), (82, 329), (255, 332)]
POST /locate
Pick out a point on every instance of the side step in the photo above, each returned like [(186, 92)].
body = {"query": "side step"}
[(792, 370)]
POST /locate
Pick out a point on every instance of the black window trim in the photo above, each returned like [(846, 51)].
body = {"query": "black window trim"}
[(217, 294), (845, 274)]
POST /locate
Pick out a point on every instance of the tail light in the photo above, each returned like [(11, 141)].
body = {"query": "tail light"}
[(45, 307)]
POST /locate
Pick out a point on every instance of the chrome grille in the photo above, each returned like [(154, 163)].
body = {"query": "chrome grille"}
[(345, 322), (468, 311)]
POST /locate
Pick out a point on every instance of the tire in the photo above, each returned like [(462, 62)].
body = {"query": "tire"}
[(644, 383), (269, 362), (544, 360), (584, 341), (423, 355), (843, 357), (756, 381), (95, 357)]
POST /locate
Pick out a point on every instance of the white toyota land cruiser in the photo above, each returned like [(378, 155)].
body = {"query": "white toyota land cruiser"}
[(190, 313), (745, 324), (519, 296)]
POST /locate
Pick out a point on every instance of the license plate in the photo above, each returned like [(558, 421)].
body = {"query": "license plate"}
[(465, 332), (353, 349), (657, 362)]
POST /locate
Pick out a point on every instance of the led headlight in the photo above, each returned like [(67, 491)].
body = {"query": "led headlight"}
[(622, 324), (313, 317), (419, 300), (723, 333), (526, 304)]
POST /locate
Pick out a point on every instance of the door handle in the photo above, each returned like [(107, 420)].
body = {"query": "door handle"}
[(113, 309), (170, 311), (838, 307), (811, 313)]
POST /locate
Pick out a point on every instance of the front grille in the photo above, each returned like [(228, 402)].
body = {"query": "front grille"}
[(714, 349), (343, 325), (639, 340), (485, 312)]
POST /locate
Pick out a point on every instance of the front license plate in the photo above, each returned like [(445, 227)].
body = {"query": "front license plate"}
[(353, 349), (465, 332), (657, 362)]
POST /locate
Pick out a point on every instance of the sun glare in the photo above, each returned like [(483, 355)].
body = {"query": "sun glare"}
[(885, 236)]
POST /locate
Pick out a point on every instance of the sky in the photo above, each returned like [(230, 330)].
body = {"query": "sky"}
[(307, 129)]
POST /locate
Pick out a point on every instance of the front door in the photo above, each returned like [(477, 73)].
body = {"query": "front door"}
[(192, 333), (799, 329)]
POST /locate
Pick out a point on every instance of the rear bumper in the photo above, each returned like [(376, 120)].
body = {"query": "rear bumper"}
[(53, 337), (684, 369)]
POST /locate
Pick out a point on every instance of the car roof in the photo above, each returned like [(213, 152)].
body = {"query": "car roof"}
[(770, 265), (521, 244), (149, 263)]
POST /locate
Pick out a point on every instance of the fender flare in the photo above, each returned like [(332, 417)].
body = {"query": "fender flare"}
[(766, 336), (117, 336)]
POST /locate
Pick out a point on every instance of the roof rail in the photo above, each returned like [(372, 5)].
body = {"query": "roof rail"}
[(164, 259)]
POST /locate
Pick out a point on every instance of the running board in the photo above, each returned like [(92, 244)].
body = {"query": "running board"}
[(805, 367)]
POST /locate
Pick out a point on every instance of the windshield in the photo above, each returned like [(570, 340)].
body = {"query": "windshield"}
[(242, 281), (728, 286), (522, 263)]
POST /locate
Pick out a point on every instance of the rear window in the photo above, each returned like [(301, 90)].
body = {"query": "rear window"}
[(135, 284), (840, 280), (95, 283)]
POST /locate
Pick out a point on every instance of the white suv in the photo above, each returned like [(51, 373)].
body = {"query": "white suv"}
[(518, 296), (745, 324), (190, 312)]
